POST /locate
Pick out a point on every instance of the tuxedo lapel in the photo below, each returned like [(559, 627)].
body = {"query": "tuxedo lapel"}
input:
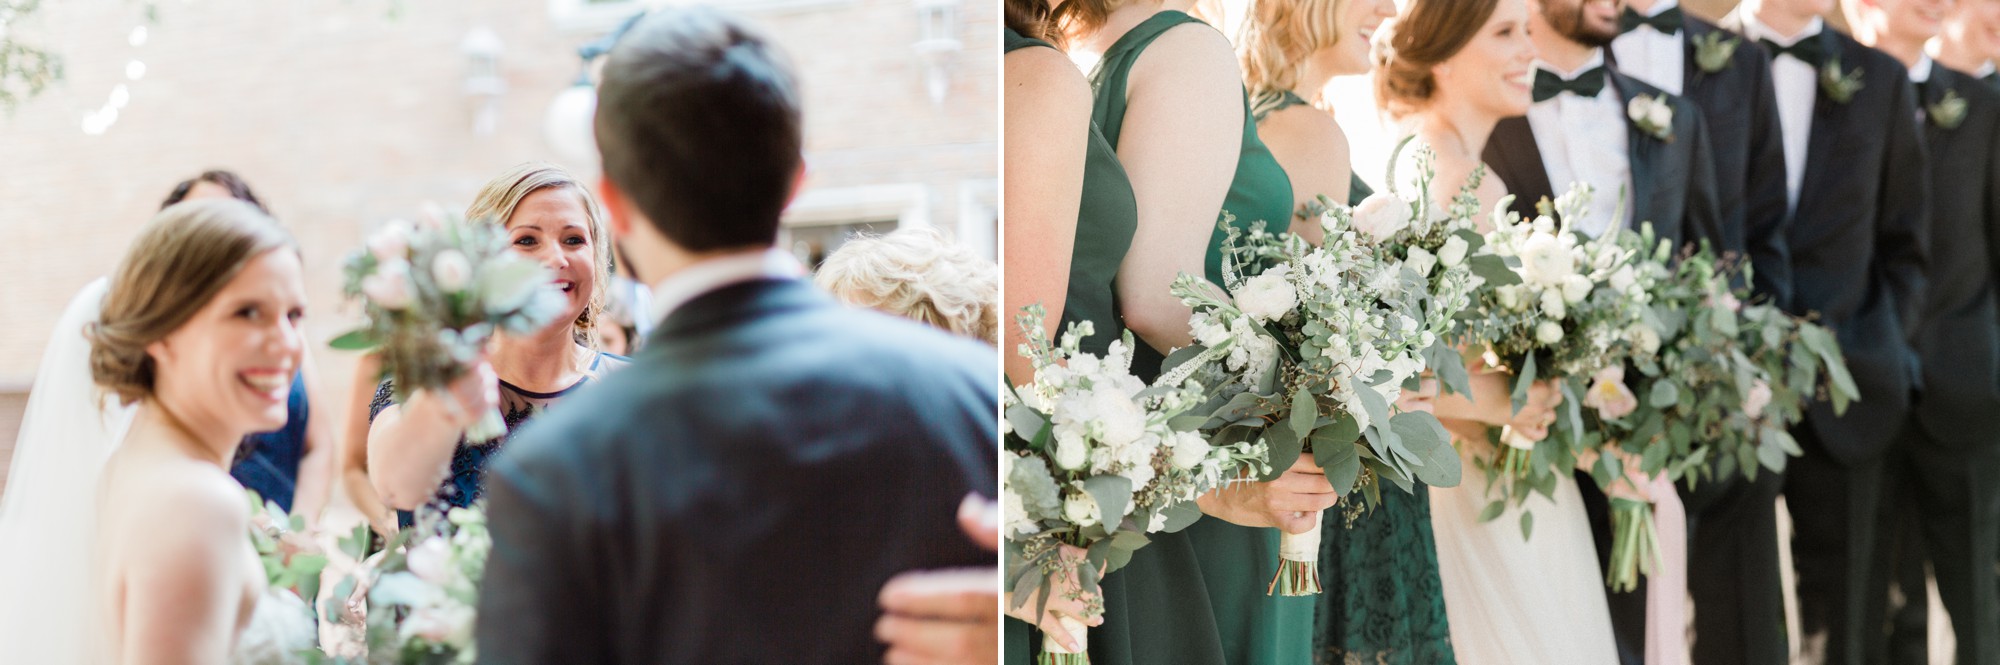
[(1929, 95), (1517, 159), (1641, 150), (1691, 72), (1827, 123)]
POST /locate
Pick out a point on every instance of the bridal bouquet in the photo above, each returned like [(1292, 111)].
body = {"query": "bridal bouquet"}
[(292, 563), (421, 592), (1578, 308), (1316, 343), (1096, 459), (434, 294), (1725, 382)]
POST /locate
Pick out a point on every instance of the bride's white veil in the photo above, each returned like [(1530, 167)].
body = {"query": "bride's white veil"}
[(48, 515)]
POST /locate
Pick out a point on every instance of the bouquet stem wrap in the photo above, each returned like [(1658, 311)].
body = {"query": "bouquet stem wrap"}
[(1054, 653), (1635, 548), (1298, 564)]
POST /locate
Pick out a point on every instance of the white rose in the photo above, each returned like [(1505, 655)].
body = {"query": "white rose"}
[(1545, 224), (1381, 216), (451, 270), (1552, 304), (1510, 297), (389, 287), (1421, 261), (1122, 420), (1575, 288), (1623, 280), (1081, 510), (1544, 260), (1644, 338), (1759, 397), (1189, 450), (391, 242), (1453, 251), (1269, 296), (1071, 452), (431, 561), (1547, 332)]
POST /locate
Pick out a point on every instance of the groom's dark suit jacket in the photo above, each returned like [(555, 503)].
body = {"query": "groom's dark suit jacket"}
[(1960, 338), (1859, 243), (1673, 182), (1673, 186), (741, 492)]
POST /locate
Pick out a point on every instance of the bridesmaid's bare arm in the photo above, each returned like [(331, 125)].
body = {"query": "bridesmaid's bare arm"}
[(1048, 133)]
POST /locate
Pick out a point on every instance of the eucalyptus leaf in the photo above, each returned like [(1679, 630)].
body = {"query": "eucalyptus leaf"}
[(1340, 461), (1523, 379), (1285, 447), (1113, 494), (1527, 524), (1664, 395), (1305, 410), (1493, 510), (1493, 269), (1424, 436)]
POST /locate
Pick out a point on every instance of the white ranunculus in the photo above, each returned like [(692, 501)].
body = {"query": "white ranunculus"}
[(1553, 305), (431, 561), (389, 288), (452, 270), (507, 285), (1189, 450), (1269, 296), (1071, 451), (1381, 216), (1453, 251), (1081, 510), (1759, 397), (1644, 338), (1421, 261), (1544, 224), (1575, 288), (1547, 332), (1510, 297), (1545, 262)]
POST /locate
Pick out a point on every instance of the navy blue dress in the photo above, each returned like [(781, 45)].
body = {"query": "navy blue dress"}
[(468, 462), (269, 462)]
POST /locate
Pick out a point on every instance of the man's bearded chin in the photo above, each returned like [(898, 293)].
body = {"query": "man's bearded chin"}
[(1571, 24)]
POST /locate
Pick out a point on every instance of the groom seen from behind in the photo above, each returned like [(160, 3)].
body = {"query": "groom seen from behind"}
[(771, 458)]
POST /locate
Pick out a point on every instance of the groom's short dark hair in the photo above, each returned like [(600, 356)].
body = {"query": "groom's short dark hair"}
[(698, 124)]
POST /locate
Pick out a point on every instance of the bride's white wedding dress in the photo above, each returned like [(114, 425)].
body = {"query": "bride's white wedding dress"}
[(1509, 600), (48, 600)]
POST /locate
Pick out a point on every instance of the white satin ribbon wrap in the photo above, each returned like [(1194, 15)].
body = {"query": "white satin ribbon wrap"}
[(1300, 546)]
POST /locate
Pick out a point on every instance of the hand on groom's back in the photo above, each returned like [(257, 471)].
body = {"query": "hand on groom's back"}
[(946, 617)]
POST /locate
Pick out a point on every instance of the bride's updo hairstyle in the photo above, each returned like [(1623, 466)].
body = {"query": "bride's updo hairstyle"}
[(1427, 33), (182, 258)]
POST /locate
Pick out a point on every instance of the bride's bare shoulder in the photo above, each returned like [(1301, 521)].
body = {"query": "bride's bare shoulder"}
[(174, 503)]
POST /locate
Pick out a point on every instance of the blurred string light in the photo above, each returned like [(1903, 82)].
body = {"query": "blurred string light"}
[(99, 121)]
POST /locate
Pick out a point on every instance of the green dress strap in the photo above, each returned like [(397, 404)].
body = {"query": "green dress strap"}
[(1236, 563)]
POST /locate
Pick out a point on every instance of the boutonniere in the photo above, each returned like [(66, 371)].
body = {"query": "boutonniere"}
[(1949, 112), (1653, 116), (1839, 85), (1712, 52)]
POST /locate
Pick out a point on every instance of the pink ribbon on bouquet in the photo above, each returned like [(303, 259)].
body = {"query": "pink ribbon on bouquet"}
[(1666, 586)]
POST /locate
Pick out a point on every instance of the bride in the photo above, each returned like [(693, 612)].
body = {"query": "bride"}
[(200, 328), (1449, 71)]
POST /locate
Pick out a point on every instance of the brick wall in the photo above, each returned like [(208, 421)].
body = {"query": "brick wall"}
[(343, 114)]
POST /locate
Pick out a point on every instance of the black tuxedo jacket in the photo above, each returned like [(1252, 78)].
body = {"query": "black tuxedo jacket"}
[(1859, 243), (741, 492), (1673, 182), (1740, 110), (1960, 339)]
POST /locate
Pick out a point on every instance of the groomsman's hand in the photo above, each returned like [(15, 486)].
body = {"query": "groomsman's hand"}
[(1291, 502), (948, 617)]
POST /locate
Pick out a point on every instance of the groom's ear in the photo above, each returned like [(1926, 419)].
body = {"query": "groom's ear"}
[(615, 208)]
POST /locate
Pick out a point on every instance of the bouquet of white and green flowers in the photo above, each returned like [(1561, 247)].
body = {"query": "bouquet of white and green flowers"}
[(1578, 308), (434, 294), (421, 592), (1096, 459), (292, 563), (1316, 343)]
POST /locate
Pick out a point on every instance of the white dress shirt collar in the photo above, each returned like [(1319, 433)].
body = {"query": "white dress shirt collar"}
[(711, 274), (1585, 139), (1658, 58), (1921, 71), (1985, 69)]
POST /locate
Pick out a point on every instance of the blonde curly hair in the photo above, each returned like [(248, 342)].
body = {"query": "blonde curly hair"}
[(918, 274)]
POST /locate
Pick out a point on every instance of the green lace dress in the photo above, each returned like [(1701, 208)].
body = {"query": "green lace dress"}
[(1149, 615), (1235, 564), (1384, 604)]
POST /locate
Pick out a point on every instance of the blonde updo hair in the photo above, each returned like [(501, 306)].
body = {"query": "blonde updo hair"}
[(1278, 35), (496, 203), (1427, 33), (916, 273), (183, 257)]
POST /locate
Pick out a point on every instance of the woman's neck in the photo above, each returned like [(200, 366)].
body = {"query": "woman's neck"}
[(185, 435), (540, 362), (1455, 131)]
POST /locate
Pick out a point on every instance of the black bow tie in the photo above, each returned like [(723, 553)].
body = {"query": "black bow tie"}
[(1667, 22), (1587, 84), (1808, 50)]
